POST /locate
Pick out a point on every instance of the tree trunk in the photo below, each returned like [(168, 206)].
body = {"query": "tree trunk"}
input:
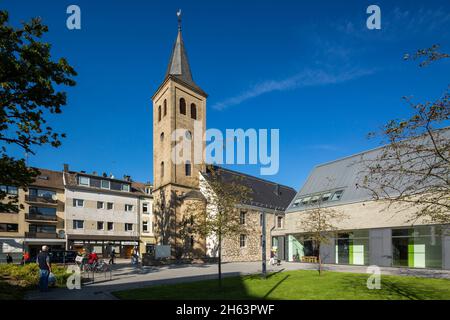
[(319, 260), (219, 266)]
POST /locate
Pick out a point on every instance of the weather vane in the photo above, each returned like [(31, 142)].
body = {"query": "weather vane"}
[(179, 19)]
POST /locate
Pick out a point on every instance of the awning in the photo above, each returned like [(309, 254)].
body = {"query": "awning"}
[(43, 241)]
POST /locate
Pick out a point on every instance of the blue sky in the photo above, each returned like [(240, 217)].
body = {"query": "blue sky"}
[(310, 68)]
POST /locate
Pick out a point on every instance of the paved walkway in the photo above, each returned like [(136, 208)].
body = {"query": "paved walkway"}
[(126, 276)]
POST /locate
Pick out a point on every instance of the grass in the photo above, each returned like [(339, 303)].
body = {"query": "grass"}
[(16, 280), (299, 285)]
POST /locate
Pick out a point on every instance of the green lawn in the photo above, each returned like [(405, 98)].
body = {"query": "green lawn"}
[(299, 285)]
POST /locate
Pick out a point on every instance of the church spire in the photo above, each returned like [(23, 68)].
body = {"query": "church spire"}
[(179, 64)]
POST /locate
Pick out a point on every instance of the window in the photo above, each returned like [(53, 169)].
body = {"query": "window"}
[(192, 241), (79, 203), (128, 207), (297, 202), (337, 195), (144, 226), (161, 137), (78, 224), (260, 219), (83, 181), (110, 226), (242, 240), (100, 225), (314, 200), (187, 168), (148, 190), (188, 135), (242, 217), (162, 169), (159, 113), (105, 184), (109, 205), (9, 190), (128, 227), (41, 193), (9, 227), (145, 207), (43, 211), (165, 107), (182, 106), (42, 228), (126, 187), (279, 222), (305, 200), (193, 111), (100, 205), (326, 196)]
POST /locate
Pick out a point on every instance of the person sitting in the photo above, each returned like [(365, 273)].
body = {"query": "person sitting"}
[(92, 257)]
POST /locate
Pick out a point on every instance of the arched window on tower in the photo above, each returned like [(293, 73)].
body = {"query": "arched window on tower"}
[(193, 111), (159, 113), (182, 106), (165, 107), (161, 136), (162, 169), (187, 167)]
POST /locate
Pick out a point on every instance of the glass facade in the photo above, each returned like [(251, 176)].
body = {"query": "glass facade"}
[(418, 247), (352, 247)]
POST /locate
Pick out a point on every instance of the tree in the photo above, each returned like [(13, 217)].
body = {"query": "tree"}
[(319, 223), (29, 80), (413, 169), (224, 197)]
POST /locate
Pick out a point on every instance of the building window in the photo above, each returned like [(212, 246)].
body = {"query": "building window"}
[(296, 203), (109, 205), (145, 207), (188, 168), (159, 113), (100, 225), (110, 226), (326, 196), (193, 111), (78, 224), (128, 207), (161, 137), (9, 190), (43, 211), (105, 184), (242, 241), (337, 195), (162, 169), (165, 107), (42, 228), (188, 135), (9, 227), (279, 222), (148, 190), (79, 203), (100, 205), (192, 241), (260, 219), (125, 187), (182, 106), (128, 227), (83, 181), (242, 217), (42, 193), (144, 226)]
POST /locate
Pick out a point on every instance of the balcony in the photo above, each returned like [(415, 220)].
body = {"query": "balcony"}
[(41, 235), (36, 199), (40, 217)]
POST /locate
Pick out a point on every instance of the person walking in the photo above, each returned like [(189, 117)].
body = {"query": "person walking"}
[(9, 259), (43, 261), (112, 255), (272, 257)]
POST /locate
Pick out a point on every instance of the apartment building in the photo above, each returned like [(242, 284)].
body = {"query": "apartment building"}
[(39, 219), (147, 240), (102, 213)]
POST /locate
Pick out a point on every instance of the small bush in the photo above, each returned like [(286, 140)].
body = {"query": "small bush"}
[(28, 275)]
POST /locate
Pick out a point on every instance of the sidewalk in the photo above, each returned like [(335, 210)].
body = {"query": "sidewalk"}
[(125, 277)]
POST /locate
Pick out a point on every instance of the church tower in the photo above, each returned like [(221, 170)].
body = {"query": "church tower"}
[(178, 104)]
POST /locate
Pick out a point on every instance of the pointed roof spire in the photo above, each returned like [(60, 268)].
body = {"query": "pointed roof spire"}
[(179, 64)]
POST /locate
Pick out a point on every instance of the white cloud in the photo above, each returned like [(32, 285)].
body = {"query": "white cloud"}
[(303, 79)]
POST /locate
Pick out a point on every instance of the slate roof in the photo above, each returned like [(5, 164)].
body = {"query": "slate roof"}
[(341, 174), (264, 193), (178, 68)]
